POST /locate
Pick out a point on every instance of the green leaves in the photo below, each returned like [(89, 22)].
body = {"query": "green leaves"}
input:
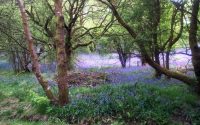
[(40, 102)]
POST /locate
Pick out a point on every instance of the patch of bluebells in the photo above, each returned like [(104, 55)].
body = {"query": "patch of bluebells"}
[(134, 75), (116, 74), (5, 65), (131, 74), (48, 68)]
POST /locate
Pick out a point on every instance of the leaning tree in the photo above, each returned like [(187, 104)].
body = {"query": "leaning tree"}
[(192, 41), (60, 52)]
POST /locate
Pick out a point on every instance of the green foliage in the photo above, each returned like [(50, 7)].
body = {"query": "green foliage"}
[(142, 104), (2, 96), (121, 104), (23, 122), (21, 91), (40, 102)]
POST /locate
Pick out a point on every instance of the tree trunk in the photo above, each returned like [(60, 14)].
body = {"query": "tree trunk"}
[(34, 57), (167, 62), (123, 59), (62, 64), (195, 49), (167, 59), (122, 55), (68, 49), (156, 12), (157, 60), (143, 61), (181, 77), (156, 51), (61, 55)]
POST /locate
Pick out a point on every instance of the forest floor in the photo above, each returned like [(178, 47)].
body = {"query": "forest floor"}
[(22, 102), (121, 96)]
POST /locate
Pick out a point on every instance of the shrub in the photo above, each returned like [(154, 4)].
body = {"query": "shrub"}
[(40, 102)]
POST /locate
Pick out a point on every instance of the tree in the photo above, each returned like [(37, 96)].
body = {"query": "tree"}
[(84, 20), (194, 45), (172, 39), (190, 81), (155, 15), (61, 57), (116, 40), (12, 41)]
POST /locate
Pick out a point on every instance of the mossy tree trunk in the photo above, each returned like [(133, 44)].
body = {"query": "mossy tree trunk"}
[(33, 54), (61, 54), (69, 49)]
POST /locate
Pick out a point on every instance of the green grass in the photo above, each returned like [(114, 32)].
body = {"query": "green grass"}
[(22, 122), (22, 100)]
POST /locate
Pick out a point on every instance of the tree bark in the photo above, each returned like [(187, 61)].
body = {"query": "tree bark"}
[(68, 50), (61, 55), (195, 49), (167, 62), (143, 61), (122, 58), (122, 55), (34, 57), (158, 74), (167, 59)]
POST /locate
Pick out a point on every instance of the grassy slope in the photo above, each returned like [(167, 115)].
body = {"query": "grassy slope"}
[(22, 100)]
